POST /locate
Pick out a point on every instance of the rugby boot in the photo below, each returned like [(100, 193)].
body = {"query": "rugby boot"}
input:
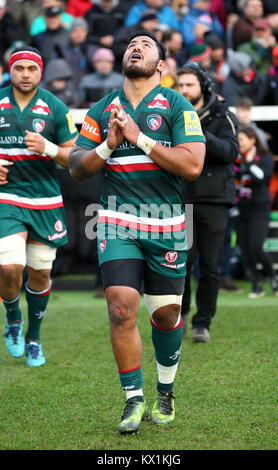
[(34, 354), (163, 411), (14, 338), (135, 411)]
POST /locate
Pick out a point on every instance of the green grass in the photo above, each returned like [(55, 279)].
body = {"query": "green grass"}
[(226, 390)]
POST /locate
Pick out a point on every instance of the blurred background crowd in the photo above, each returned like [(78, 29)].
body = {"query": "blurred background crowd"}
[(82, 44)]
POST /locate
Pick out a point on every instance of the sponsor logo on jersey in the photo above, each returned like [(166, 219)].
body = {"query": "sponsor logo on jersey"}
[(102, 245), (5, 104), (72, 127), (38, 125), (159, 102), (171, 256), (192, 125), (3, 123), (58, 225), (41, 108), (56, 235), (154, 121), (90, 129)]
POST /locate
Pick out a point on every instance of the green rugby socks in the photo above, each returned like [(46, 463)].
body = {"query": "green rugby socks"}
[(37, 302), (132, 382), (167, 345), (13, 311)]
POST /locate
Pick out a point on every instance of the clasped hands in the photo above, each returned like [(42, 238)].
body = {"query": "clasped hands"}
[(121, 127)]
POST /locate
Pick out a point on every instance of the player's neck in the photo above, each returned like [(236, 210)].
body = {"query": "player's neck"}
[(23, 99), (136, 89)]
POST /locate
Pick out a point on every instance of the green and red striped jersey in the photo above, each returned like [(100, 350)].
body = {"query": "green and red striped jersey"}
[(32, 180), (132, 178)]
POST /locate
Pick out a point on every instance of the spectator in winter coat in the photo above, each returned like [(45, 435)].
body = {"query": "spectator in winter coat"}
[(9, 29), (104, 19), (166, 14), (260, 46), (254, 168), (55, 36), (243, 28), (58, 78), (104, 80), (243, 79), (198, 8), (77, 51)]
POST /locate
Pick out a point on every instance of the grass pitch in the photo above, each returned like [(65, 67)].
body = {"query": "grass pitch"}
[(226, 390)]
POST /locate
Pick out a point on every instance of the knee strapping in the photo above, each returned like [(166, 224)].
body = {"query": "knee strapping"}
[(12, 250), (40, 256), (154, 302)]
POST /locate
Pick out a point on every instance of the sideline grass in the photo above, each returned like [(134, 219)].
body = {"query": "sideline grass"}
[(226, 390)]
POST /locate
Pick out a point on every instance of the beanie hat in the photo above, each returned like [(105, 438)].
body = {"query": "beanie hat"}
[(238, 60), (205, 19), (149, 15), (79, 22), (214, 41), (199, 52), (103, 54)]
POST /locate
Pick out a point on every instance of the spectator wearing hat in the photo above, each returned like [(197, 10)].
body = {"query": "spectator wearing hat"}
[(96, 85), (243, 79), (166, 14), (104, 19), (260, 46), (39, 24), (198, 8), (200, 53), (202, 26), (58, 80), (55, 35), (77, 51), (219, 68), (243, 27), (10, 30), (149, 21)]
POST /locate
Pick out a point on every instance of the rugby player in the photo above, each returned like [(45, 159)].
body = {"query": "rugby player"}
[(146, 138), (37, 132)]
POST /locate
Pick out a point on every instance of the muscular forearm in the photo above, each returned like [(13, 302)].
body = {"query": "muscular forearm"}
[(84, 163)]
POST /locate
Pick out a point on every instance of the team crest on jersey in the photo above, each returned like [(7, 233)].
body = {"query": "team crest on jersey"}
[(58, 225), (41, 108), (102, 245), (192, 123), (38, 125), (154, 121), (159, 102), (5, 104), (171, 256)]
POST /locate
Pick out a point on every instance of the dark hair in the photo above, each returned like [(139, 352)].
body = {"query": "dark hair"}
[(160, 47), (168, 34), (191, 67), (244, 102), (251, 133)]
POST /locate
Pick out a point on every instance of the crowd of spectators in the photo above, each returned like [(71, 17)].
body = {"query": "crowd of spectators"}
[(236, 41), (82, 44)]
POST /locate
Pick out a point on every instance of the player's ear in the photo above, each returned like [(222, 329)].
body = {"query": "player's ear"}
[(161, 65)]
